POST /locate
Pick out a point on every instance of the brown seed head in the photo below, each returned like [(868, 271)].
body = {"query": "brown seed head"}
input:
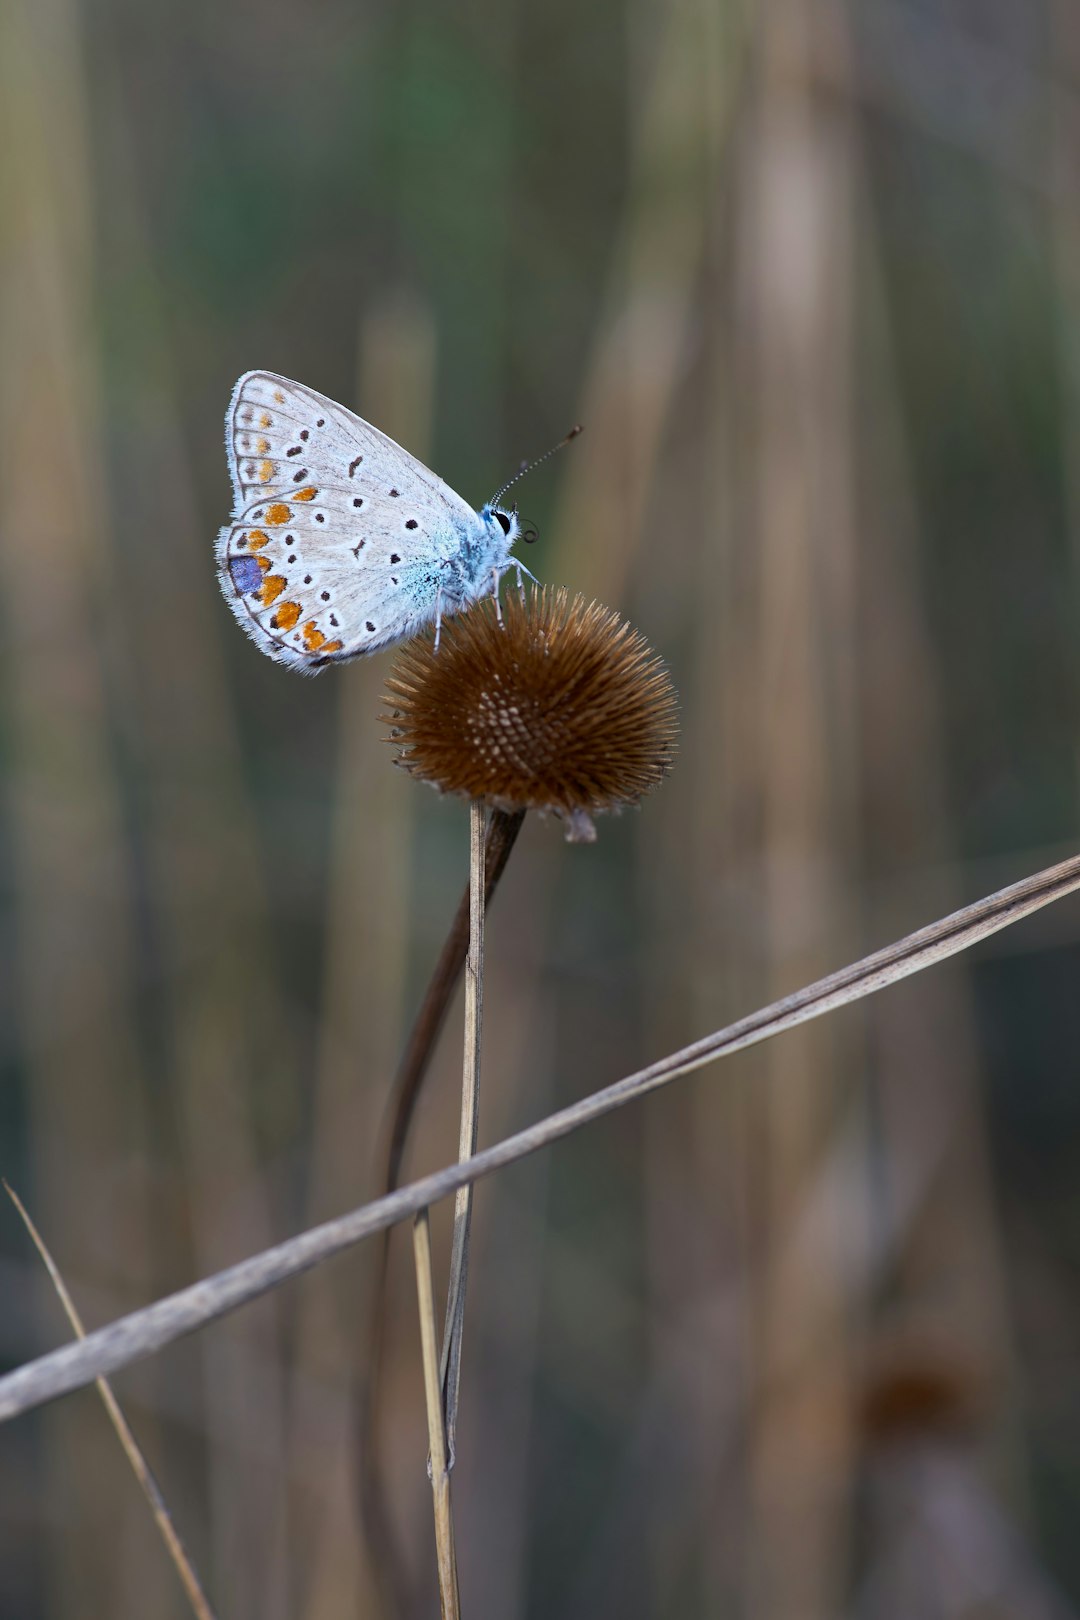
[(561, 707)]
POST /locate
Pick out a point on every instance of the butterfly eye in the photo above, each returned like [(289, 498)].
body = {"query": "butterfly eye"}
[(504, 522)]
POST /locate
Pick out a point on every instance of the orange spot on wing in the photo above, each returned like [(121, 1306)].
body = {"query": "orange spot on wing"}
[(272, 587), (332, 646), (263, 562), (313, 637), (286, 616), (262, 447), (265, 419), (305, 494), (266, 471), (279, 396), (256, 540), (278, 513)]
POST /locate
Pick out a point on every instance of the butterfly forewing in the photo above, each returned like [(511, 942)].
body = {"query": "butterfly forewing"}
[(284, 436), (337, 534)]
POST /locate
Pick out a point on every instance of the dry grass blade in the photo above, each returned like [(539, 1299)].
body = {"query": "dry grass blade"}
[(470, 1122), (502, 832), (143, 1472), (503, 829), (440, 1473), (145, 1331)]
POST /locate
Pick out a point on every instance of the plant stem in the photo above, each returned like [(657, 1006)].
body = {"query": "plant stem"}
[(143, 1473), (440, 1474), (145, 1331), (503, 828), (388, 1561), (470, 1119)]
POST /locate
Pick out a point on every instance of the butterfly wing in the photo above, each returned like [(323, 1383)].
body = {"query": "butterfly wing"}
[(337, 535)]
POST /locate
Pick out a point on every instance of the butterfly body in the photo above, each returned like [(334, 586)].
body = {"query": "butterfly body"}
[(341, 542)]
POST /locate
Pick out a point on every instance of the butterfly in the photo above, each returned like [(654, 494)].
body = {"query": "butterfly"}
[(340, 541)]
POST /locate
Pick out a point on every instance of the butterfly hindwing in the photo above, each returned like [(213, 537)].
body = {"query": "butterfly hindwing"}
[(309, 583)]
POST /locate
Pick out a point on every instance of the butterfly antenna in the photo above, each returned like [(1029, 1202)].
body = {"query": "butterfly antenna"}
[(527, 466)]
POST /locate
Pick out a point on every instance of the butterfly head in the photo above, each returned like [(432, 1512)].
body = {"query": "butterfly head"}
[(502, 528), (511, 524), (504, 525)]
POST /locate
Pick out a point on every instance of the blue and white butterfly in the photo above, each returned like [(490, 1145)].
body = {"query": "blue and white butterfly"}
[(341, 542)]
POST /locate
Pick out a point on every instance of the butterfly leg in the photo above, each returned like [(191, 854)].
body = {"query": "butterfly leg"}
[(438, 616), (522, 570), (495, 579)]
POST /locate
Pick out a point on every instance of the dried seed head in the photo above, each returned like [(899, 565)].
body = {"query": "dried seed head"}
[(561, 707)]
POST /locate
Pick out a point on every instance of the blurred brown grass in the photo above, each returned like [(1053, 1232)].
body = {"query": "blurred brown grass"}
[(808, 275)]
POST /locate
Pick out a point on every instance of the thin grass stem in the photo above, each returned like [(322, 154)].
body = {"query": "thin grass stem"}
[(440, 1474), (502, 831), (503, 828), (470, 1120), (141, 1468), (150, 1329)]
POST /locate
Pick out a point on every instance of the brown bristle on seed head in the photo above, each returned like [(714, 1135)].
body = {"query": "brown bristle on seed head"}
[(561, 707)]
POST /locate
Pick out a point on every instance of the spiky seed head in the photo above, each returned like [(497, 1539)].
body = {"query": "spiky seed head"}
[(561, 707)]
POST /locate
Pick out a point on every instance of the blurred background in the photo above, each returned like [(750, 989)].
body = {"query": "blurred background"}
[(799, 1337)]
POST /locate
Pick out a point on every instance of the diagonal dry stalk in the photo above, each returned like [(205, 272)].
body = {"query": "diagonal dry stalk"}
[(440, 1468), (189, 1579), (147, 1330), (470, 1119)]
